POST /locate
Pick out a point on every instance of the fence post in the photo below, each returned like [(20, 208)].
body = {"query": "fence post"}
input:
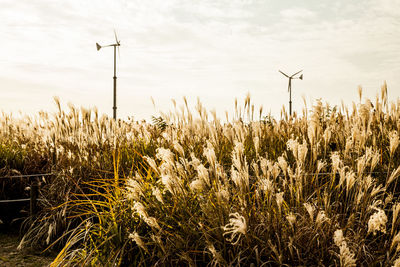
[(33, 200)]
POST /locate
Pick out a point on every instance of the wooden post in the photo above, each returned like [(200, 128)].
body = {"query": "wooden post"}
[(34, 195)]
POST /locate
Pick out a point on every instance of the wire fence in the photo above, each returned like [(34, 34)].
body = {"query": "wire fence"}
[(304, 174), (27, 175), (33, 195), (330, 173), (283, 175)]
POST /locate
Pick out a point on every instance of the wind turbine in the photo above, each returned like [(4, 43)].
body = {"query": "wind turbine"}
[(117, 44), (290, 87)]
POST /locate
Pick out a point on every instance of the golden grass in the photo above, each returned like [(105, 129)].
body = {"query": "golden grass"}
[(317, 189)]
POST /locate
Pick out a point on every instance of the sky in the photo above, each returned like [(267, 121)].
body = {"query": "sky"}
[(214, 50)]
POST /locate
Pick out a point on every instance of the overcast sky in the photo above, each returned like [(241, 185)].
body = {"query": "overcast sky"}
[(216, 50)]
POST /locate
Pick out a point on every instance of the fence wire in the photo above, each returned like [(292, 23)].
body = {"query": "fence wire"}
[(27, 175), (281, 175)]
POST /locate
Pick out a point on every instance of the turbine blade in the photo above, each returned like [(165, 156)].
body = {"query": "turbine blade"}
[(296, 73), (119, 55), (116, 38), (284, 74)]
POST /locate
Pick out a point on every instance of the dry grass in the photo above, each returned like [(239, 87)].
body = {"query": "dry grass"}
[(317, 189)]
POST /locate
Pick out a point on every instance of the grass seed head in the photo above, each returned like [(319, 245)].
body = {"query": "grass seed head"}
[(236, 227), (377, 222)]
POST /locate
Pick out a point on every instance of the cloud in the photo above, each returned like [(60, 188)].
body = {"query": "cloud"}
[(217, 50), (297, 14)]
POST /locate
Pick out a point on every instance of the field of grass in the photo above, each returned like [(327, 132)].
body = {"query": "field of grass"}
[(320, 188)]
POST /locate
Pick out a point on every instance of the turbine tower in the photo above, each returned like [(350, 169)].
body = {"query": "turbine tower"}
[(117, 44), (290, 87)]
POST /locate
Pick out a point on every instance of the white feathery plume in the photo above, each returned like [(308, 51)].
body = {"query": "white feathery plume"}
[(138, 240), (346, 256), (377, 222), (157, 193), (236, 227), (393, 141)]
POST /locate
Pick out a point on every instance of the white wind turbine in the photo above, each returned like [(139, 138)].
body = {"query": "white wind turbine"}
[(117, 44)]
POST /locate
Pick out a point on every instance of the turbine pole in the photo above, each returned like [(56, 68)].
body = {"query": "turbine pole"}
[(290, 87), (290, 95), (117, 43), (115, 84)]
